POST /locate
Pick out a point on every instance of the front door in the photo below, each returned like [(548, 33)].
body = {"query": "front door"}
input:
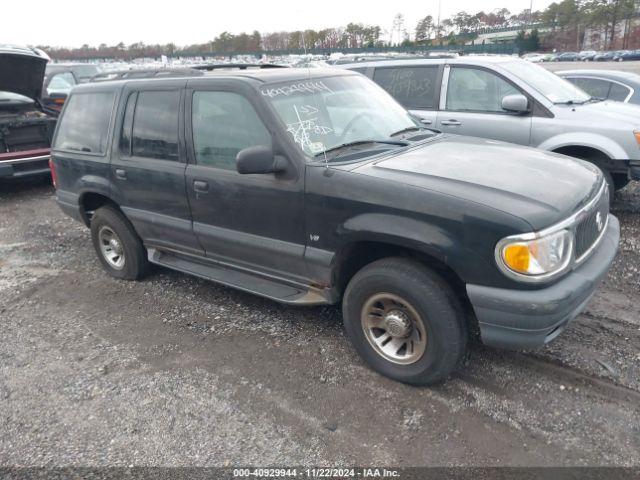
[(252, 221), (473, 106), (148, 169)]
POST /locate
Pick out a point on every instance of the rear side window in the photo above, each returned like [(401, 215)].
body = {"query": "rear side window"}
[(155, 125), (85, 124), (413, 87)]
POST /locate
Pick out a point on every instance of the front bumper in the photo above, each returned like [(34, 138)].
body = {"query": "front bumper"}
[(523, 319)]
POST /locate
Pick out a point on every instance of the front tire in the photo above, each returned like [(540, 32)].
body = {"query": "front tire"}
[(405, 321), (118, 246)]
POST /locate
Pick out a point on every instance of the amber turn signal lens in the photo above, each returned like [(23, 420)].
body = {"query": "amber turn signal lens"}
[(636, 133), (517, 257)]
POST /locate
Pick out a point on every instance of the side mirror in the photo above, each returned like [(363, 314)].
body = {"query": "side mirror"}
[(515, 103), (258, 159)]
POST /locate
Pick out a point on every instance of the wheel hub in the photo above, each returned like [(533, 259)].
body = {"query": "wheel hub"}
[(397, 323), (115, 245)]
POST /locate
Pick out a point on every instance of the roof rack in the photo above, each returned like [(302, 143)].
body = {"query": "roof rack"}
[(239, 66), (146, 73)]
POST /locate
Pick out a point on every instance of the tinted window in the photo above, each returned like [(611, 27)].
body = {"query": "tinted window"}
[(155, 126), (85, 123), (593, 86), (413, 87), (223, 124), (618, 92), (477, 90)]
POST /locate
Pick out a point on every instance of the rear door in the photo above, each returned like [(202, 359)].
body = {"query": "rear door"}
[(148, 166), (471, 104), (417, 88)]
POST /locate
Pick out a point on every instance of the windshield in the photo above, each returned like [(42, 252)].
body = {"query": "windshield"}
[(556, 89), (85, 72), (323, 113)]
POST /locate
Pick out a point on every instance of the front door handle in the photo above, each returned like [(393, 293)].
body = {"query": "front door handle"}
[(121, 173), (426, 121), (450, 122), (200, 186)]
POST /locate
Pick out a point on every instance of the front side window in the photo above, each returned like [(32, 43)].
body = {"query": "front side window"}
[(224, 123), (413, 87), (474, 90), (61, 83), (595, 87), (155, 125), (84, 126), (323, 113)]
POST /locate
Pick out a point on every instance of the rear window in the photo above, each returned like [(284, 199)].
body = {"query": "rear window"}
[(84, 127), (413, 87)]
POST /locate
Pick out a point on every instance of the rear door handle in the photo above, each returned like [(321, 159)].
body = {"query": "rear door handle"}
[(200, 186), (450, 122), (121, 173)]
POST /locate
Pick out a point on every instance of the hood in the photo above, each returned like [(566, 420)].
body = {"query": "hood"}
[(609, 111), (22, 70), (539, 187)]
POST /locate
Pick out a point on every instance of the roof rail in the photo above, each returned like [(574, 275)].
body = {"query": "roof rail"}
[(239, 66), (146, 73)]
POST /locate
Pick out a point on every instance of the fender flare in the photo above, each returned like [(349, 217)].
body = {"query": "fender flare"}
[(596, 141), (412, 234)]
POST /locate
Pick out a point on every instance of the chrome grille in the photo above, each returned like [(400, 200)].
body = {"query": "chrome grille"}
[(591, 225)]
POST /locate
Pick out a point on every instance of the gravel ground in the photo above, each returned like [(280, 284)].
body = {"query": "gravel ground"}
[(177, 371)]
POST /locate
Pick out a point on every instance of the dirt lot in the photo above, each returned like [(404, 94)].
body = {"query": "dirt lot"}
[(179, 371)]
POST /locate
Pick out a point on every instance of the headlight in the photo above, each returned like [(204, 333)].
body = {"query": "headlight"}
[(532, 258)]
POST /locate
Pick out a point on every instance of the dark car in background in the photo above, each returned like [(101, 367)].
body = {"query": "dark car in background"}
[(612, 56), (567, 57), (587, 55), (26, 127), (60, 78), (630, 55), (606, 84)]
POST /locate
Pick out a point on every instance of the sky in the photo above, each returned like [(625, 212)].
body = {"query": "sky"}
[(71, 23)]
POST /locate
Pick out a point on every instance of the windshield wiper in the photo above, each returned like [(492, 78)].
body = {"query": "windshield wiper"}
[(400, 143), (573, 102), (405, 130)]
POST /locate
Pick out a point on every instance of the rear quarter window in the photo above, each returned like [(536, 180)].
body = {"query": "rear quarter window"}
[(413, 87), (84, 126)]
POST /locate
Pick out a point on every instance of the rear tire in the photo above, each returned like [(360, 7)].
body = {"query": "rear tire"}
[(117, 244), (405, 321)]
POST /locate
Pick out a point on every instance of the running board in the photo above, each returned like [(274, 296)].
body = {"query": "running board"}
[(242, 280)]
